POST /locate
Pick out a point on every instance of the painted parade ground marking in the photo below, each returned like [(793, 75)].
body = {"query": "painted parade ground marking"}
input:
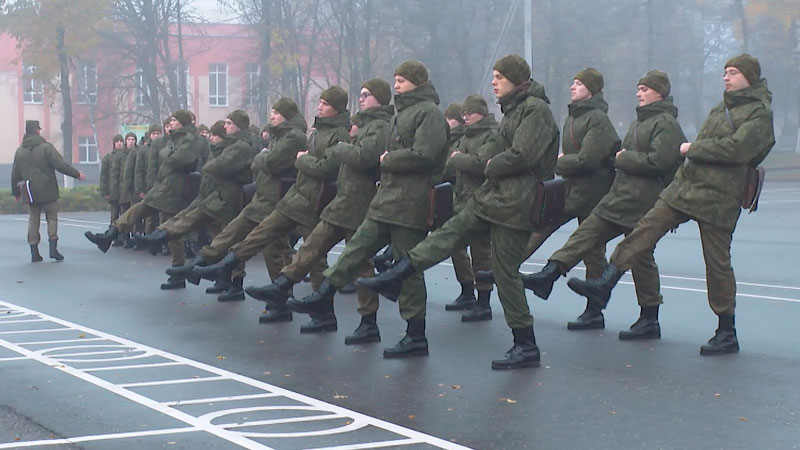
[(251, 413)]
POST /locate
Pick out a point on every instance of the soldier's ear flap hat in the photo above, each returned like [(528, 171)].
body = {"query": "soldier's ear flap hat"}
[(657, 81), (286, 107), (240, 119), (336, 97), (475, 104), (32, 126), (591, 78), (183, 116), (380, 89), (218, 128), (748, 65), (413, 71), (514, 68)]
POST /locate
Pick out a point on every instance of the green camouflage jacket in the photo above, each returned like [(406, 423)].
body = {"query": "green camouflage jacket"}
[(115, 177), (228, 170), (127, 188), (176, 160), (37, 160), (475, 148)]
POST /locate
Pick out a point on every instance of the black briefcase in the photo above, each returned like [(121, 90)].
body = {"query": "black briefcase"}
[(191, 186), (327, 192), (286, 184), (440, 205), (752, 190), (246, 195), (549, 201)]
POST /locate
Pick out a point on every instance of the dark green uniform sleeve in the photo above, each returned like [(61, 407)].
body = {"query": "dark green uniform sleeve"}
[(749, 141), (182, 157), (231, 161), (429, 140), (114, 179), (16, 176), (473, 164), (600, 137), (365, 153), (280, 158), (663, 156), (105, 174), (140, 172), (531, 142)]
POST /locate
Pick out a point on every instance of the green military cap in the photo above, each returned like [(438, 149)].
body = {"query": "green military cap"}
[(454, 112), (476, 104), (591, 78), (240, 119), (748, 65), (379, 89), (514, 68), (286, 107), (336, 97), (413, 71), (218, 128), (657, 81)]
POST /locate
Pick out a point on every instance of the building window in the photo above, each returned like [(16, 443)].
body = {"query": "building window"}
[(142, 89), (87, 83), (87, 146), (218, 85), (32, 85), (182, 80), (251, 85)]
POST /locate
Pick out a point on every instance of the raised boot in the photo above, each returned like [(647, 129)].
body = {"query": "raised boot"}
[(597, 290), (480, 310), (275, 313), (367, 331), (524, 353), (276, 293), (384, 260), (117, 242), (724, 340), (173, 282), (54, 254), (35, 256), (153, 241), (317, 302), (234, 292), (219, 287), (129, 243), (541, 283), (222, 270), (465, 299), (590, 319), (646, 327), (186, 268), (414, 343), (390, 282), (484, 276), (103, 240)]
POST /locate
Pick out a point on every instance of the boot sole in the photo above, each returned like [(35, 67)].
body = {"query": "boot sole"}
[(458, 306), (521, 365), (539, 291), (172, 288), (325, 329), (409, 354), (719, 352), (275, 319), (365, 340), (580, 327), (237, 298), (265, 297), (639, 337), (476, 318)]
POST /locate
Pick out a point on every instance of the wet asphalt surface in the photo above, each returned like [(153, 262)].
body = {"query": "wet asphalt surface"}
[(592, 391)]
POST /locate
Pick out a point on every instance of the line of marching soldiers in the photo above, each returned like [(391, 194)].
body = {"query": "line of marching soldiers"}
[(430, 186)]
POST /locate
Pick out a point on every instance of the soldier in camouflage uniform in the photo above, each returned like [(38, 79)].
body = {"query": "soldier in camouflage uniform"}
[(36, 161), (180, 157), (397, 215), (272, 164), (466, 162), (708, 188), (298, 208), (359, 168), (645, 166), (105, 177), (525, 151), (128, 177), (140, 173)]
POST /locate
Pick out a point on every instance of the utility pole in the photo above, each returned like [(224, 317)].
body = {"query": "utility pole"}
[(529, 32), (181, 75)]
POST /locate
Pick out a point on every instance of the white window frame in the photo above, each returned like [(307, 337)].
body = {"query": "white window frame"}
[(176, 72), (142, 89), (87, 83), (251, 85), (33, 87), (87, 145), (218, 91)]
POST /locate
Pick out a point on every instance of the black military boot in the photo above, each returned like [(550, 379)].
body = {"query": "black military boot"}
[(724, 340), (234, 292), (103, 240), (54, 254), (414, 343), (322, 319), (186, 268), (384, 260), (646, 327), (35, 256), (275, 313), (480, 310), (524, 353), (541, 283), (219, 271), (117, 242), (315, 303), (276, 293), (366, 332), (390, 282), (219, 287), (173, 282), (465, 299), (484, 276), (129, 243), (590, 319), (153, 242), (597, 290), (348, 289)]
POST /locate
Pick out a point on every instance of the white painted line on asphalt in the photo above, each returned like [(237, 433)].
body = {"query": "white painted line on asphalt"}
[(299, 419), (738, 294), (109, 352), (132, 366), (99, 437), (44, 330), (355, 422), (3, 322), (383, 444), (14, 358), (168, 382), (231, 398), (62, 341)]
